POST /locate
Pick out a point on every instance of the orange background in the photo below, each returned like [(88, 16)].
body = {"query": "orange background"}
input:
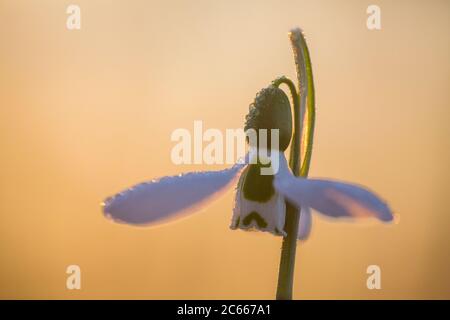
[(86, 113)]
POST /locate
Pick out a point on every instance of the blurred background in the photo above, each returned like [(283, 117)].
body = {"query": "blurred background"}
[(86, 113)]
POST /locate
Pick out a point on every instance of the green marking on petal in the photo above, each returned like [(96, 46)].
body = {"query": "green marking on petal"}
[(255, 216), (257, 187)]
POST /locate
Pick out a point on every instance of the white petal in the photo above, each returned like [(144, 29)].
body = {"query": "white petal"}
[(304, 225), (333, 198), (251, 215), (169, 197), (268, 216)]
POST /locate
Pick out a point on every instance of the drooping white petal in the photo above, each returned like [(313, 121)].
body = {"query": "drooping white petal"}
[(332, 198), (168, 197), (304, 225)]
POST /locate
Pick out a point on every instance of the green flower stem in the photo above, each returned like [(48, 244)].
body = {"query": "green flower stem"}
[(303, 102)]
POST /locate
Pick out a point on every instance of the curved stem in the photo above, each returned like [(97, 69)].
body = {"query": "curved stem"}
[(303, 102), (295, 154)]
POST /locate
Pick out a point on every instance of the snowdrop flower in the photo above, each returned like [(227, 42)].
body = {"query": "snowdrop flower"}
[(279, 203), (260, 201)]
